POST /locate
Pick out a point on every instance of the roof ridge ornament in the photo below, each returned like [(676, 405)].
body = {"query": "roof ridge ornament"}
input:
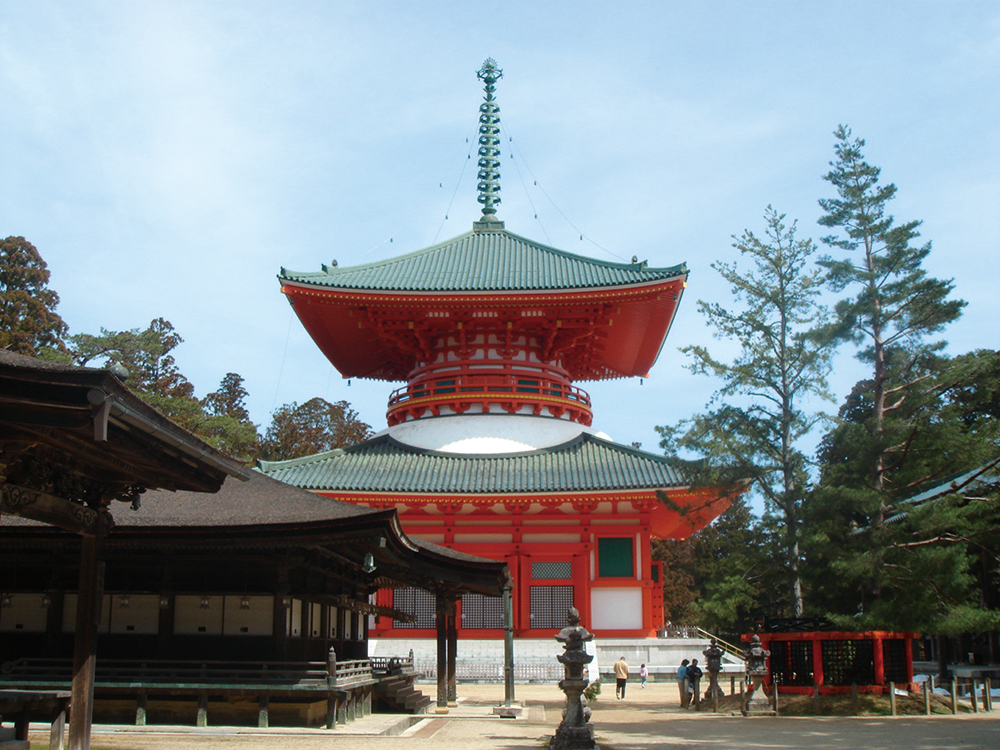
[(489, 148)]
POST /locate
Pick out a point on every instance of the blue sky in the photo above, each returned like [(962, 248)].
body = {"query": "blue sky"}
[(167, 158)]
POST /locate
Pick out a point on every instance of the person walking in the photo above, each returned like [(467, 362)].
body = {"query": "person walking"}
[(643, 675), (682, 684), (621, 677)]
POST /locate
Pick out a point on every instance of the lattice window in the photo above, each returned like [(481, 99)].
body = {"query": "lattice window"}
[(848, 662), (792, 662), (894, 660), (480, 611), (549, 605), (417, 602), (551, 570)]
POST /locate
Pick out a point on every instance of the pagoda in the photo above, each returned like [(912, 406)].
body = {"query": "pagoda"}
[(490, 448)]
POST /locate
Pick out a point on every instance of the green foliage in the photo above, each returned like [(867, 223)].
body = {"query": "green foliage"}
[(894, 302), (783, 360), (28, 322), (679, 591), (722, 577), (878, 560), (146, 354), (221, 419), (226, 423), (317, 425), (893, 305)]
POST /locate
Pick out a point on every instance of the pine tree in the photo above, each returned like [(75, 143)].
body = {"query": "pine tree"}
[(930, 566), (893, 305), (783, 361)]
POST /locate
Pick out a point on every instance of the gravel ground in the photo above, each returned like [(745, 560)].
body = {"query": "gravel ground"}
[(647, 719)]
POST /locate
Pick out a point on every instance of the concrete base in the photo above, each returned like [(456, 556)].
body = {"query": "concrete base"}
[(507, 712), (535, 658), (440, 709)]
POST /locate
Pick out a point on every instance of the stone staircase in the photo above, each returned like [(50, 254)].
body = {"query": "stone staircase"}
[(398, 694)]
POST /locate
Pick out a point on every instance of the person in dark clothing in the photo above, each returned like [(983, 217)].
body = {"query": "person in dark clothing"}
[(694, 676)]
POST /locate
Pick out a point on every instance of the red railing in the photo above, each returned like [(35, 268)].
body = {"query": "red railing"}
[(457, 386)]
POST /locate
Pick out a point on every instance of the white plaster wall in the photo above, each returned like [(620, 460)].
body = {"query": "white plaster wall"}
[(487, 433), (616, 609)]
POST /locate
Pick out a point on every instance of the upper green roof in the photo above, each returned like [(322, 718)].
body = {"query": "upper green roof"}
[(491, 260), (382, 464)]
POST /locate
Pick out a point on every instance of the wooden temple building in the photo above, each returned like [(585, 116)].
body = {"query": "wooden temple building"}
[(72, 442), (491, 447), (211, 585)]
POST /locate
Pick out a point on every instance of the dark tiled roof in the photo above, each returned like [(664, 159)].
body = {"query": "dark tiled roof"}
[(261, 500), (383, 464), (485, 262)]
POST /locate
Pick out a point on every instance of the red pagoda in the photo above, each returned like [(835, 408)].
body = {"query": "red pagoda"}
[(490, 448)]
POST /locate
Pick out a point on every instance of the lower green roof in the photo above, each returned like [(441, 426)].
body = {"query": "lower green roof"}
[(382, 464)]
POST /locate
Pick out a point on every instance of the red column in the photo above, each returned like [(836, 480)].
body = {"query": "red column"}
[(879, 660), (818, 677), (908, 645), (581, 586)]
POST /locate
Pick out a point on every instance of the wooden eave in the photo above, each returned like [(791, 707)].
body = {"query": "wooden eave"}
[(399, 560), (76, 436), (617, 331)]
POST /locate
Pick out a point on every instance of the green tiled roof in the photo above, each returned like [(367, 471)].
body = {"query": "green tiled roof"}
[(383, 464), (485, 261)]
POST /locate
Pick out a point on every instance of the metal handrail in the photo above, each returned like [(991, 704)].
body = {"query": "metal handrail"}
[(727, 647)]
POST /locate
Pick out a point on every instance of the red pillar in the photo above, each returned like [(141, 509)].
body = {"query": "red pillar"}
[(818, 676), (581, 587), (908, 645), (879, 659)]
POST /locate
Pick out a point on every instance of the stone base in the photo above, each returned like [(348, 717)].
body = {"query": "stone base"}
[(440, 709), (507, 712), (574, 738), (760, 705)]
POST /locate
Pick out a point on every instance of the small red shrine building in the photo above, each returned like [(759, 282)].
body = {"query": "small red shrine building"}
[(490, 448), (831, 662)]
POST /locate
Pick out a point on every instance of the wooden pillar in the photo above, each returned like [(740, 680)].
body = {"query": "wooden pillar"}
[(331, 711), (202, 720), (141, 706), (279, 624), (57, 733), (441, 621), (452, 621), (263, 711), (88, 616), (508, 644)]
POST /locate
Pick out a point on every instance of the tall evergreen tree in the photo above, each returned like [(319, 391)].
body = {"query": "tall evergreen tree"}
[(29, 323), (764, 402), (929, 566), (227, 424), (892, 305)]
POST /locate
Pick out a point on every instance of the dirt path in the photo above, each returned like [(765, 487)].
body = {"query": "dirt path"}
[(647, 720)]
